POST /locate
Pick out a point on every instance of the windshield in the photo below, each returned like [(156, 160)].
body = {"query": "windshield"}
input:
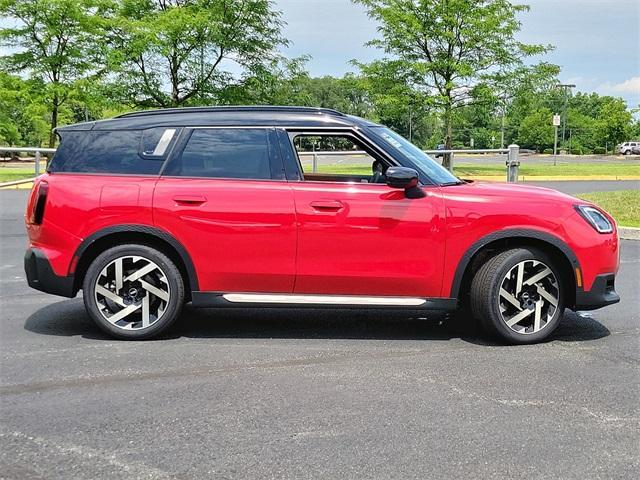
[(436, 172)]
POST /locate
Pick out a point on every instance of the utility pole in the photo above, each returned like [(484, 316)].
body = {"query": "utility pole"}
[(504, 111), (565, 87)]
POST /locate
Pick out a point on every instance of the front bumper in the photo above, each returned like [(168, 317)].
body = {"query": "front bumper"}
[(602, 293), (41, 276)]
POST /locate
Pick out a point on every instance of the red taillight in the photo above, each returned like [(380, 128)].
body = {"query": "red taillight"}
[(37, 210)]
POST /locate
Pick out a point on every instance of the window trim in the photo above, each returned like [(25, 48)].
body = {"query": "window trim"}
[(185, 135), (370, 147)]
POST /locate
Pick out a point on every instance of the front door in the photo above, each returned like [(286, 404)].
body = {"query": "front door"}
[(357, 236)]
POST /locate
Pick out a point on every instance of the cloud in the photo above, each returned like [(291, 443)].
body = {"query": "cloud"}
[(631, 85)]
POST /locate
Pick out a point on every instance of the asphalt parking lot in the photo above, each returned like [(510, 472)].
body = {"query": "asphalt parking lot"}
[(311, 394)]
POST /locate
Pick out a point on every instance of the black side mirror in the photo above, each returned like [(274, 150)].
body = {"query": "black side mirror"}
[(402, 177)]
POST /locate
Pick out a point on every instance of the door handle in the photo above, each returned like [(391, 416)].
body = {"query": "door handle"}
[(189, 199), (327, 205)]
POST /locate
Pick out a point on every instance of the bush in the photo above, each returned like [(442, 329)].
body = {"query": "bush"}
[(599, 150), (548, 151)]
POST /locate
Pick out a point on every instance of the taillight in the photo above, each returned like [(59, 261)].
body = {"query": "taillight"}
[(37, 210)]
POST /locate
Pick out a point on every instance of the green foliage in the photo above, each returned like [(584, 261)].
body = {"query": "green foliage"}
[(56, 42), (443, 49), (170, 53), (454, 71), (536, 130)]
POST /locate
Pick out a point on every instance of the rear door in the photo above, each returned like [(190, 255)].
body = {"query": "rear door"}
[(224, 196)]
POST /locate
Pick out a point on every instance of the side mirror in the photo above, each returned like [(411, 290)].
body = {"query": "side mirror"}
[(401, 177)]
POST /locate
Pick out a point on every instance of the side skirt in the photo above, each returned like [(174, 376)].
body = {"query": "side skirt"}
[(279, 300)]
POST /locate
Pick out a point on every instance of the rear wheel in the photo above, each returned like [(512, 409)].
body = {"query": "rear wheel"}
[(133, 291), (518, 295)]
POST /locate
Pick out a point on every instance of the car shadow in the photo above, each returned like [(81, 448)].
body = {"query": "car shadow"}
[(68, 318)]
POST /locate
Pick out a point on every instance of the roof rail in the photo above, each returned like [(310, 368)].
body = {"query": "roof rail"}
[(233, 108)]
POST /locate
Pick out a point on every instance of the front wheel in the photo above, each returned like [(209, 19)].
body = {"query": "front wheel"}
[(133, 291), (518, 295)]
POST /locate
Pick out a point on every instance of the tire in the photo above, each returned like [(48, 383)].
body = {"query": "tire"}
[(137, 279), (627, 152), (508, 306)]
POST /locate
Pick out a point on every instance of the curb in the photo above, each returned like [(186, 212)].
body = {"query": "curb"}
[(629, 233)]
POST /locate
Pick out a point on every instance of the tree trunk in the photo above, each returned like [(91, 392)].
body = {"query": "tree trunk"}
[(54, 121), (446, 158)]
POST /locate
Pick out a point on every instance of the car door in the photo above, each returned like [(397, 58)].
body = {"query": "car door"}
[(361, 238), (224, 197)]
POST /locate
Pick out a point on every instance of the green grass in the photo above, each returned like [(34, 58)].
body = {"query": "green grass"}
[(623, 205), (475, 170), (580, 169), (7, 174)]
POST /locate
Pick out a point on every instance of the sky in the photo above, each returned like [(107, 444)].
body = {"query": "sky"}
[(597, 41)]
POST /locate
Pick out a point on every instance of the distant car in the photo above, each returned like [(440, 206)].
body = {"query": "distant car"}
[(439, 147), (628, 148)]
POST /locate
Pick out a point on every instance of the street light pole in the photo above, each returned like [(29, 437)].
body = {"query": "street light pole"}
[(565, 87)]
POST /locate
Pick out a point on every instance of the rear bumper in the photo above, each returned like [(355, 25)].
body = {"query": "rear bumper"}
[(602, 293), (41, 276)]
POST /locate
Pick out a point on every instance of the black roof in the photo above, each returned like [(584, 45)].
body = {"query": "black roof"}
[(301, 117)]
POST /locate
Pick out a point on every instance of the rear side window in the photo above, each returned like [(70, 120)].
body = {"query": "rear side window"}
[(118, 152), (224, 153)]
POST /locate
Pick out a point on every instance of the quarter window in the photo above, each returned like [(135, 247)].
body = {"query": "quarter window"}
[(224, 153), (103, 151)]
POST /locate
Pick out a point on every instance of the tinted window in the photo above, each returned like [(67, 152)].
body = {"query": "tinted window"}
[(224, 153), (103, 152)]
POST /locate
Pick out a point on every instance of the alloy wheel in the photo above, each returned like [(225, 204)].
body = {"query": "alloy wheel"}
[(529, 297), (132, 292)]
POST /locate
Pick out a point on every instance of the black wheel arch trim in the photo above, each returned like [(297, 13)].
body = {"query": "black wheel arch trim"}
[(146, 230), (520, 234)]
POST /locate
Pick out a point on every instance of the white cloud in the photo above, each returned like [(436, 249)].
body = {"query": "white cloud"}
[(631, 85)]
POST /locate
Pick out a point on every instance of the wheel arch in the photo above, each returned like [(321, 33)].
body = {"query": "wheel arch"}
[(504, 239), (108, 237)]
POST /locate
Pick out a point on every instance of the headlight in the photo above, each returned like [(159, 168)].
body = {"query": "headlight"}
[(596, 218)]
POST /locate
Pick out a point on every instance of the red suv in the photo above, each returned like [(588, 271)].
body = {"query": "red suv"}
[(292, 206)]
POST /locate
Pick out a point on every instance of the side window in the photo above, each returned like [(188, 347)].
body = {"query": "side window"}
[(103, 152), (337, 158), (224, 153)]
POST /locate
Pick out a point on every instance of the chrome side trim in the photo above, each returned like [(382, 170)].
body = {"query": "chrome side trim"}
[(323, 299), (162, 145)]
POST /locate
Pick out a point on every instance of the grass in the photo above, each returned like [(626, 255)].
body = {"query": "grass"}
[(8, 174), (623, 205), (474, 170), (579, 169)]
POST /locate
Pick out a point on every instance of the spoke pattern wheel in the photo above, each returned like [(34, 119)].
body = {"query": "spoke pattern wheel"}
[(132, 292), (518, 295), (529, 296)]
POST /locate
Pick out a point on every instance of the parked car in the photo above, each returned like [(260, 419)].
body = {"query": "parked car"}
[(440, 146), (212, 206), (635, 150), (627, 148)]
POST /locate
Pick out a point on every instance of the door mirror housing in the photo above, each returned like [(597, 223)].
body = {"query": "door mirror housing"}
[(401, 177)]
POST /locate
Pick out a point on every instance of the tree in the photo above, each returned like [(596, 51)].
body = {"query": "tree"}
[(536, 130), (180, 52), (444, 48), (56, 40)]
